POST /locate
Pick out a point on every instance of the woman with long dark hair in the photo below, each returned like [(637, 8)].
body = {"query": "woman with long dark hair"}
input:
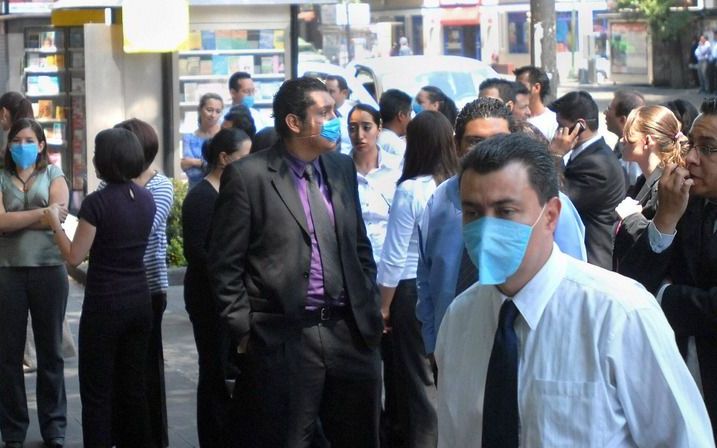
[(429, 160)]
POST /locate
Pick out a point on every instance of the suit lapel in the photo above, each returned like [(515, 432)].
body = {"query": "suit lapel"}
[(594, 146), (282, 178)]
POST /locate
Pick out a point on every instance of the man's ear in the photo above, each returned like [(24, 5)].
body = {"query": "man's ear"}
[(510, 105), (293, 122), (552, 212)]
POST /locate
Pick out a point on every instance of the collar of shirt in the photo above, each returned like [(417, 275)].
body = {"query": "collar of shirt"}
[(385, 162), (576, 151), (532, 299), (298, 166)]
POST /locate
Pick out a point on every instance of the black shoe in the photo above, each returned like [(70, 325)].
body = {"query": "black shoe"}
[(55, 443), (13, 445)]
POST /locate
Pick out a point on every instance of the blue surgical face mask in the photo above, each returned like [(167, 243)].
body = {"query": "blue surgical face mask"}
[(24, 154), (497, 247), (331, 130), (417, 108), (248, 101)]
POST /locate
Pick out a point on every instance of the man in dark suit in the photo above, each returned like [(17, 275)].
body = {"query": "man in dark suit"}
[(293, 272), (676, 258), (593, 178)]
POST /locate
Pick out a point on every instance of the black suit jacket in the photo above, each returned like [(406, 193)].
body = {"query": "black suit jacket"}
[(595, 183), (690, 303), (629, 229), (260, 250)]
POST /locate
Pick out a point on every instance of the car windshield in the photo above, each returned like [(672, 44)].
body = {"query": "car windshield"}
[(459, 85)]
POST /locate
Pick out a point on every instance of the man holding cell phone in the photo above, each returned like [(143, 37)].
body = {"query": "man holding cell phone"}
[(593, 178)]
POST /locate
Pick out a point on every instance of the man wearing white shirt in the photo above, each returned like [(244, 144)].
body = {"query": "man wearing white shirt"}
[(340, 92), (703, 52), (243, 91), (395, 107), (546, 350), (538, 83)]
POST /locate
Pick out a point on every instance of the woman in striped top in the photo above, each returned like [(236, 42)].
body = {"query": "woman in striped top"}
[(155, 262)]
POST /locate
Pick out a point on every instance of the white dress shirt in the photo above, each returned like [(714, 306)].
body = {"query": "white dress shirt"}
[(598, 365), (376, 190), (399, 257), (392, 143)]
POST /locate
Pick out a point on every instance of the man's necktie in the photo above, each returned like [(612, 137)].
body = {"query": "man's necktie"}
[(500, 403), (325, 236), (467, 273)]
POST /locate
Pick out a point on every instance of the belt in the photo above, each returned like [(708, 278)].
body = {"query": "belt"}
[(326, 313)]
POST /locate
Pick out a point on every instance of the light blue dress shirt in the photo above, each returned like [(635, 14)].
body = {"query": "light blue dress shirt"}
[(441, 249)]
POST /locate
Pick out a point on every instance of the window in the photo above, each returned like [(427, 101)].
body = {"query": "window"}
[(566, 40), (518, 32)]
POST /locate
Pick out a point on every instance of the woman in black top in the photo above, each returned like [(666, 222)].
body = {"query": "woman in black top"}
[(225, 147), (116, 320)]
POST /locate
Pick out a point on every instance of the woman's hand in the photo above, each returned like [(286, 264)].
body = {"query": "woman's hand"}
[(54, 215), (386, 315)]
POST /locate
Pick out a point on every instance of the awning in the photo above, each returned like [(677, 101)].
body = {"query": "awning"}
[(460, 16)]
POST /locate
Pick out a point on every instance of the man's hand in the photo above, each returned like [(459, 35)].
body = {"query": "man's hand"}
[(564, 140), (673, 193), (386, 315)]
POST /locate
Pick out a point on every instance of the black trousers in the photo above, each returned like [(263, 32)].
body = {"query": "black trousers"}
[(410, 414), (156, 395), (113, 348), (327, 374), (213, 401), (43, 292)]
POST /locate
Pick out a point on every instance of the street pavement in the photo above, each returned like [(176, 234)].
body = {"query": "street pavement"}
[(180, 356), (179, 350)]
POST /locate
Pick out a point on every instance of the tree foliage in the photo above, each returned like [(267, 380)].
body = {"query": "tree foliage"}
[(668, 19)]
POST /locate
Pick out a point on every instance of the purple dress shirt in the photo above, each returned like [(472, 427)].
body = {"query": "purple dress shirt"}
[(315, 298)]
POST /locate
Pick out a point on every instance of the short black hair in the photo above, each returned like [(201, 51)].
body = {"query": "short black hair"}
[(236, 77), (626, 101), (447, 106), (482, 108), (294, 97), (506, 92), (519, 88), (376, 115), (18, 125), (685, 111), (241, 118), (498, 152), (536, 75), (118, 155), (226, 140), (709, 106), (575, 105), (392, 102), (147, 138), (340, 80)]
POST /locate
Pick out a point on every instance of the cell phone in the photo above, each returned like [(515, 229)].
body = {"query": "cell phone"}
[(582, 128)]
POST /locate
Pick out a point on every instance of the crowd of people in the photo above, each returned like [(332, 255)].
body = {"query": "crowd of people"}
[(414, 276)]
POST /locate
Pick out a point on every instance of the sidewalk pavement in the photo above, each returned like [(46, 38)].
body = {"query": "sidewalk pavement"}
[(180, 357)]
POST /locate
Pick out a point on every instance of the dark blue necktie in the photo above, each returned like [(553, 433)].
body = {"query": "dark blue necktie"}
[(500, 403)]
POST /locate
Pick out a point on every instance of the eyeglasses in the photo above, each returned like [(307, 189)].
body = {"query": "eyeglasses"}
[(704, 150)]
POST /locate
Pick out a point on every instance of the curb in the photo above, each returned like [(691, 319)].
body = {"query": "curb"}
[(175, 275)]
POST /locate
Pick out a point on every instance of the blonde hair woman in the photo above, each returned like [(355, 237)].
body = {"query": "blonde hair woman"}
[(653, 138)]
